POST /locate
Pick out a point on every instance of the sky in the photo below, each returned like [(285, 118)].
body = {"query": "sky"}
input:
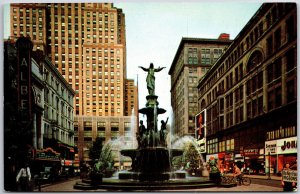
[(154, 30)]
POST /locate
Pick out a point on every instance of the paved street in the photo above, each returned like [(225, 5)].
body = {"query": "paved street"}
[(68, 186)]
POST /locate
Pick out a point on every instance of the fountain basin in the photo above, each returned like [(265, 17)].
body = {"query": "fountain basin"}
[(150, 111), (136, 185), (151, 164)]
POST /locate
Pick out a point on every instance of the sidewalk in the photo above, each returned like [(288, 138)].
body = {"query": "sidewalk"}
[(266, 177)]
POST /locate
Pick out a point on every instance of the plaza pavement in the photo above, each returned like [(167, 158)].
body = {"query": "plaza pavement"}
[(67, 186)]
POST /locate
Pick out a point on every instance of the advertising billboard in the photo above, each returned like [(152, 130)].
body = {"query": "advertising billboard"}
[(200, 125)]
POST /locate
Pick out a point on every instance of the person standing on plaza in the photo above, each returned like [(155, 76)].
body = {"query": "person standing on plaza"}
[(23, 179), (287, 185), (237, 173)]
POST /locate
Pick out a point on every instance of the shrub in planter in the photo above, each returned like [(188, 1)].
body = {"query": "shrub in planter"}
[(214, 173), (96, 178)]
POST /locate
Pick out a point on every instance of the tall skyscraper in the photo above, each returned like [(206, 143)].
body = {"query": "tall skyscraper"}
[(86, 42), (193, 59)]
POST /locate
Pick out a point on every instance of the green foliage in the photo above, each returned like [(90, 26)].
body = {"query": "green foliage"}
[(177, 162), (105, 161), (191, 156), (95, 149), (213, 165)]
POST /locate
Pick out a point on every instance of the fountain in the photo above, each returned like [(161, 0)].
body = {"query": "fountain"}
[(151, 167)]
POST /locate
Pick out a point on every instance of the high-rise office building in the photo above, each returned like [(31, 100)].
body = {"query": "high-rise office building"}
[(86, 42), (193, 59)]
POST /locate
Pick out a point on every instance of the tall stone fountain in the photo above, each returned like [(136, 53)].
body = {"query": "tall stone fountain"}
[(151, 161)]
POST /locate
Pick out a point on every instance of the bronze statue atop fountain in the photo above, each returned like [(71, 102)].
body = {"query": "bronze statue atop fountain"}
[(151, 78)]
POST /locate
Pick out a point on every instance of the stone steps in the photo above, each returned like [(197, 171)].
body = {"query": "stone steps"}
[(134, 185)]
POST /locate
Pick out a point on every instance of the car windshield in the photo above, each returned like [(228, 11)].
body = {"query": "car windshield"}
[(48, 169)]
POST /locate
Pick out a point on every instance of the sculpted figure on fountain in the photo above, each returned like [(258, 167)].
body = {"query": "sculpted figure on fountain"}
[(163, 132), (151, 78)]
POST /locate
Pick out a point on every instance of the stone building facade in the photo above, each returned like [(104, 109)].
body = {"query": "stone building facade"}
[(86, 42), (194, 57), (250, 93), (38, 109)]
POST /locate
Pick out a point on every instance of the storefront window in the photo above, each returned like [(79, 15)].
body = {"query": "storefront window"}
[(222, 146), (229, 144)]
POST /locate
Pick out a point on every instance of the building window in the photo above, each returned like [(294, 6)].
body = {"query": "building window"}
[(260, 80), (278, 100), (277, 43), (290, 60), (270, 72), (277, 68), (290, 91), (255, 59), (271, 100), (291, 29), (270, 45), (205, 56), (222, 146), (192, 56), (217, 54)]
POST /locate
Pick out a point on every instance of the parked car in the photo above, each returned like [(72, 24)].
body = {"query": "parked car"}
[(47, 175)]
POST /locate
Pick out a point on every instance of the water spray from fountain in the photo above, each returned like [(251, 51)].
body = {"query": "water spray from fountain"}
[(132, 129)]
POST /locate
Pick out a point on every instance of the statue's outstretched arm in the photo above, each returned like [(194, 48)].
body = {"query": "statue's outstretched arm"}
[(143, 68), (159, 69)]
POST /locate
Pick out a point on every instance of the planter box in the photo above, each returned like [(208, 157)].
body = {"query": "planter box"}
[(96, 178)]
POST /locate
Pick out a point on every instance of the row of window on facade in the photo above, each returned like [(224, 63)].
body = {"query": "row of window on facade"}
[(255, 83), (290, 35), (57, 133), (95, 80), (254, 105), (63, 120), (90, 56), (101, 126), (232, 144), (63, 8), (208, 56)]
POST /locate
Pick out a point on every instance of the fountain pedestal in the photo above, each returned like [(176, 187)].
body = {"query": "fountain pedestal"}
[(151, 161)]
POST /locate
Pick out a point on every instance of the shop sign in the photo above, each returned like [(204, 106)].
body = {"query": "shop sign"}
[(289, 175), (47, 154), (250, 152), (202, 145), (287, 145), (66, 162), (271, 147), (228, 156), (24, 46)]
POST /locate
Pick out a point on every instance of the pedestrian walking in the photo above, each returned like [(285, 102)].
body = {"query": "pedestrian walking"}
[(287, 184), (24, 178)]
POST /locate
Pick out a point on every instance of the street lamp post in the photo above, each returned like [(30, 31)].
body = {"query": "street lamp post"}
[(269, 174)]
